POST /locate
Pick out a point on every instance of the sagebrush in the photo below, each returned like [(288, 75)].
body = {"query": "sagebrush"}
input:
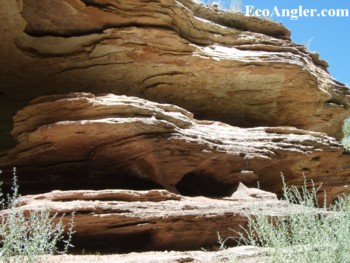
[(307, 233), (28, 238)]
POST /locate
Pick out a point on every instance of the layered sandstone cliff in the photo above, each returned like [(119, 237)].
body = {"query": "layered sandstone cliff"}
[(221, 66), (148, 116), (121, 138)]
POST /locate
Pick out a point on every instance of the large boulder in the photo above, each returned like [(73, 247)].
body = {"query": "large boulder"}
[(126, 220), (221, 66), (83, 141)]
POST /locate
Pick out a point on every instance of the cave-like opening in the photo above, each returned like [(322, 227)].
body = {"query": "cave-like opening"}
[(199, 184)]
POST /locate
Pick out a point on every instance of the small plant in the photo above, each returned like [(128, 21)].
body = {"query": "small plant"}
[(230, 5), (307, 44), (234, 5), (346, 132), (25, 238), (307, 233)]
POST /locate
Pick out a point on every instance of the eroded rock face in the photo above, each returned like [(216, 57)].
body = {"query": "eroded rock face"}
[(220, 66), (76, 140), (117, 220), (242, 254)]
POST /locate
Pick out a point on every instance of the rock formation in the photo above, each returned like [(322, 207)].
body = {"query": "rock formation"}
[(126, 220), (221, 66), (117, 137), (149, 116)]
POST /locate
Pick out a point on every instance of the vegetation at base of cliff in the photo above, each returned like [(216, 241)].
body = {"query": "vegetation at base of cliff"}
[(28, 238), (346, 133), (309, 233)]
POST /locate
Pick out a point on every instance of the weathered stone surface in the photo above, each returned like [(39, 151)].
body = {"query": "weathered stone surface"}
[(242, 254), (74, 141), (125, 220), (220, 66)]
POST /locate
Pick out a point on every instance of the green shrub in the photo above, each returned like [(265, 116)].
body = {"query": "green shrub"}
[(305, 234), (24, 238), (346, 133)]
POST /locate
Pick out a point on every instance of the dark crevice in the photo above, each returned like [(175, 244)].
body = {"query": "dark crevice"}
[(91, 66), (155, 85), (99, 5), (79, 33), (195, 184), (129, 224), (112, 243), (41, 181), (316, 159), (75, 33), (304, 169), (337, 102), (171, 74), (96, 4), (82, 212)]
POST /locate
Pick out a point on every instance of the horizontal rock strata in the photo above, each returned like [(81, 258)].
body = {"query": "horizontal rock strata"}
[(125, 220), (138, 169), (72, 141), (220, 66)]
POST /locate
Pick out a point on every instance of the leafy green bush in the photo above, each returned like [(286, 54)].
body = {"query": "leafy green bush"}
[(24, 238), (305, 234)]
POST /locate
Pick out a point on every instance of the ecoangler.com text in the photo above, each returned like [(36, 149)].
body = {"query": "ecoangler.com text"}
[(295, 13)]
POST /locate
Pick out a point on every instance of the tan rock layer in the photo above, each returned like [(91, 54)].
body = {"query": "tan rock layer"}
[(191, 21), (157, 220), (167, 51), (74, 140)]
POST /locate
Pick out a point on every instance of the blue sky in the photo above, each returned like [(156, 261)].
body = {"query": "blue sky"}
[(329, 36)]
